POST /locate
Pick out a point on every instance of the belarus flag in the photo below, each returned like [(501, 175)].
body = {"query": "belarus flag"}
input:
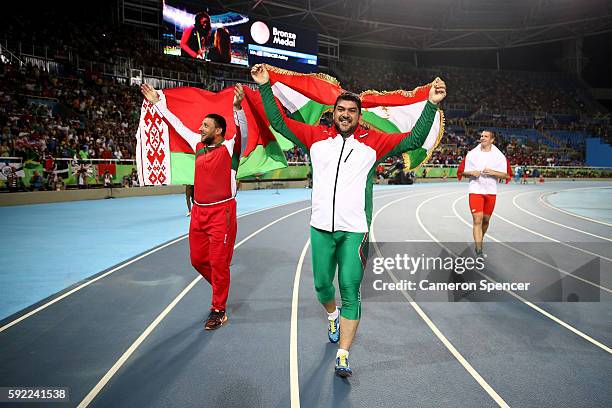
[(164, 157)]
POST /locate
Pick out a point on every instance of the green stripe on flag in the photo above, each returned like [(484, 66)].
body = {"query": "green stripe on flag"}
[(310, 113), (415, 158), (262, 160), (283, 142), (182, 167), (288, 173), (384, 125)]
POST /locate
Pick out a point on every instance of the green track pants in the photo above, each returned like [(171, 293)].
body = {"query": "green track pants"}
[(348, 251)]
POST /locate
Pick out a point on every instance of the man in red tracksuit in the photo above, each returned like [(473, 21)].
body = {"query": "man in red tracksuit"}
[(212, 231)]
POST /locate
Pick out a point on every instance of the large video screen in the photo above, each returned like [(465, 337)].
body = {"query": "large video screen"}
[(195, 29), (283, 46)]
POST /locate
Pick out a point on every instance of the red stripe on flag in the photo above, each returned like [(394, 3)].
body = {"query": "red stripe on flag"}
[(191, 105), (395, 98), (325, 90), (316, 87)]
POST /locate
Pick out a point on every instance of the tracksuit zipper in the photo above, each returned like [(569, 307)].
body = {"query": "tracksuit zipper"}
[(347, 156), (336, 184)]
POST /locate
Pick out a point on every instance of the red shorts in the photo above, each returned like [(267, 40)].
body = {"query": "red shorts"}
[(484, 203)]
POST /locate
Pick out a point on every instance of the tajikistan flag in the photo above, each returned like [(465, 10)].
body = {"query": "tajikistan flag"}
[(308, 96)]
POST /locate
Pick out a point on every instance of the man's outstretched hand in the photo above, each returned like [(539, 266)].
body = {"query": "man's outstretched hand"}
[(437, 92), (149, 93), (260, 74)]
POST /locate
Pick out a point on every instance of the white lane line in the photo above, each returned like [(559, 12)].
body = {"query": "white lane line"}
[(271, 208), (81, 286), (97, 278), (113, 370), (533, 258), (294, 382), (110, 373), (453, 350), (126, 355), (544, 201), (533, 306), (497, 215), (554, 222)]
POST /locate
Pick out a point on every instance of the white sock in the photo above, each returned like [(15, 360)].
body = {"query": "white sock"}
[(342, 352), (333, 315)]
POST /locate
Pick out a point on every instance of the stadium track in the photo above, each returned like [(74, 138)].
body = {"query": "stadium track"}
[(135, 338)]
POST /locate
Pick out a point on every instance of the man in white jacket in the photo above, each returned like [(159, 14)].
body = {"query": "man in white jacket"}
[(484, 165)]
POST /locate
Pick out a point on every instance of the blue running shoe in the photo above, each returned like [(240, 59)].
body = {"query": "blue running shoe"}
[(333, 329), (343, 369)]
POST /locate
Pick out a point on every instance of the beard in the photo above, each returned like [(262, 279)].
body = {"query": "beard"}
[(207, 140), (345, 130)]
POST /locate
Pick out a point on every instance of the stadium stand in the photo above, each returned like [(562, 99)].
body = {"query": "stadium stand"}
[(71, 97)]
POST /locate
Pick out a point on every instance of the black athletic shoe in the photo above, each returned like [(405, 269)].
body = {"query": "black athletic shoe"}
[(216, 318)]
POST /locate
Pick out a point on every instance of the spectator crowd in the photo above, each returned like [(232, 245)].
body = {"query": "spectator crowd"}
[(83, 114)]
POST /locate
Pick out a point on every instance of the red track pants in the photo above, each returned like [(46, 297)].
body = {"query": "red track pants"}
[(212, 234)]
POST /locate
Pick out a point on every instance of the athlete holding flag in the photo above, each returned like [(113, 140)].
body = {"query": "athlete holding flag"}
[(344, 158), (212, 230)]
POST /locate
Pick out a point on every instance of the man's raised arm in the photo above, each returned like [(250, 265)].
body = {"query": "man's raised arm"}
[(402, 142), (240, 120), (159, 101), (297, 132)]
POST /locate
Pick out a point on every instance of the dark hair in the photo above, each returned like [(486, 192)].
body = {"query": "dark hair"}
[(222, 45), (349, 96), (197, 19), (219, 121), (491, 132)]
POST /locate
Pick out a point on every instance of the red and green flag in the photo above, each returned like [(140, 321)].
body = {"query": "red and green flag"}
[(165, 157), (308, 96)]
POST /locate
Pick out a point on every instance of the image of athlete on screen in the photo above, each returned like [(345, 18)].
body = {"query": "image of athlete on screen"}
[(195, 38)]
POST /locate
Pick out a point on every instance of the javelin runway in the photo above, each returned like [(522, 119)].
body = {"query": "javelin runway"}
[(134, 338)]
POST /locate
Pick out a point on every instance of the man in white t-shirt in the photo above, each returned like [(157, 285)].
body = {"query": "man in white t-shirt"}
[(484, 165)]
